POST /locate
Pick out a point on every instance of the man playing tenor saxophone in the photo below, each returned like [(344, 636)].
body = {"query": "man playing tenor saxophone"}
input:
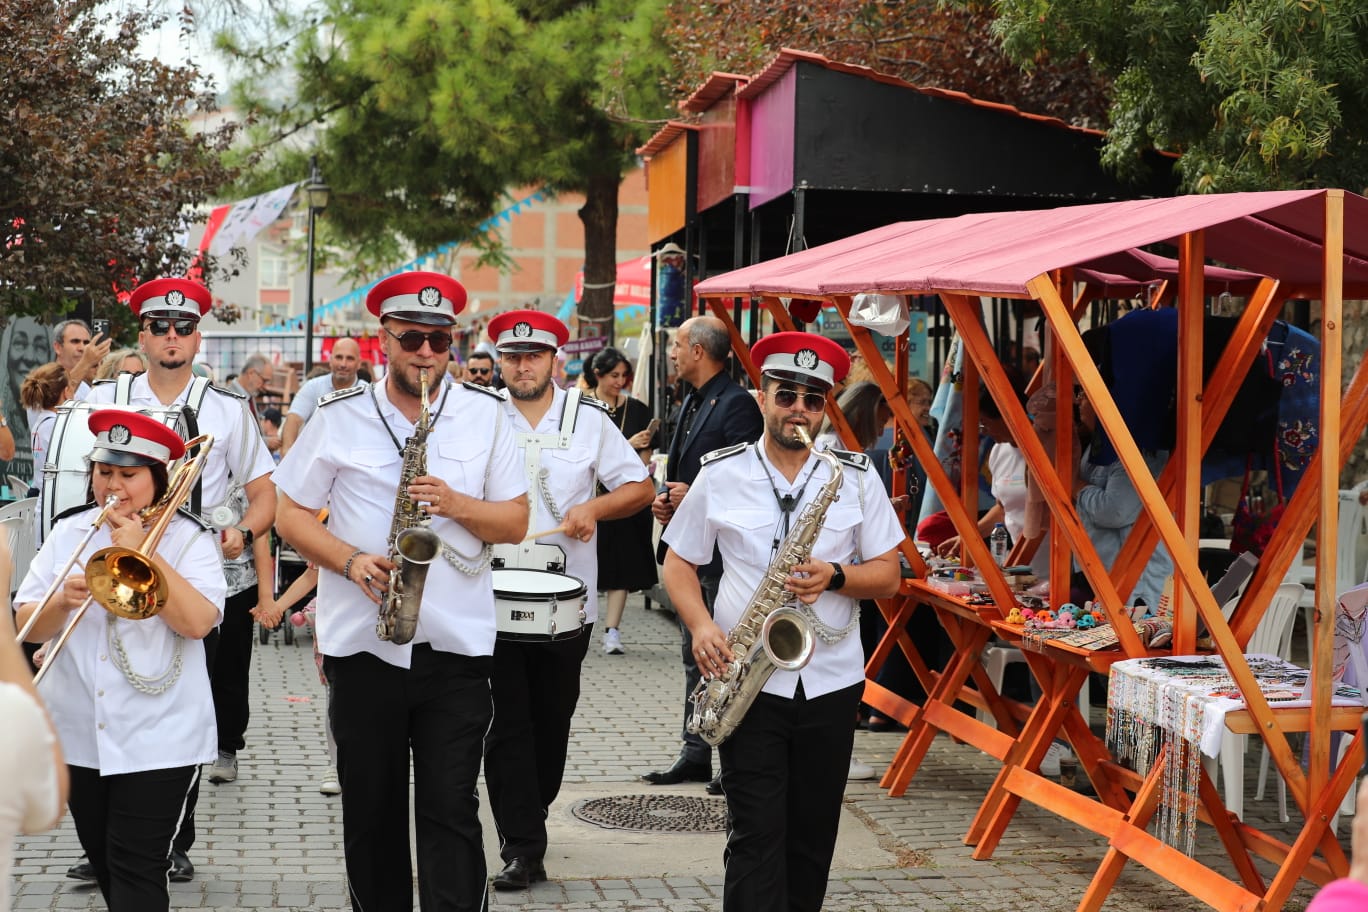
[(430, 694), (827, 530)]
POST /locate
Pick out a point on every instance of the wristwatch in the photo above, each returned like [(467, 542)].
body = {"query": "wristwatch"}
[(247, 536), (837, 577)]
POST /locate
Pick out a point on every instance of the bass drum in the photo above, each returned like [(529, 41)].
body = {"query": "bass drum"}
[(537, 604), (66, 476)]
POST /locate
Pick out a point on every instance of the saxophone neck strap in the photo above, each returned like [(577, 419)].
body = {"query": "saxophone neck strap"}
[(399, 447), (786, 502)]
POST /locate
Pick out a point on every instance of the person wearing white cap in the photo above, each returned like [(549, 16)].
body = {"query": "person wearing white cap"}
[(235, 494), (784, 769), (130, 699), (429, 698), (566, 450)]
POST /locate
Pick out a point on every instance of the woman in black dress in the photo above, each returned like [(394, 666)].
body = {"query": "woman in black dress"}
[(626, 561)]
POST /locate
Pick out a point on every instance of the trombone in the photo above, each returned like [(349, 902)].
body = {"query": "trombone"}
[(125, 581)]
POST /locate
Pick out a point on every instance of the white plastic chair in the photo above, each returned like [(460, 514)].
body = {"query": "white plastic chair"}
[(1272, 636), (17, 520), (997, 657)]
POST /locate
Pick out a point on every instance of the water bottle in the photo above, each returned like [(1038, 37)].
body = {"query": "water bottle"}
[(999, 543)]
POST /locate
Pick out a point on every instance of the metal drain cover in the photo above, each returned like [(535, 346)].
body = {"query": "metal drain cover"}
[(667, 813)]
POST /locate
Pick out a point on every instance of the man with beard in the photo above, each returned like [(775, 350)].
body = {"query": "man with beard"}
[(569, 450), (236, 481), (429, 696), (784, 768), (343, 364)]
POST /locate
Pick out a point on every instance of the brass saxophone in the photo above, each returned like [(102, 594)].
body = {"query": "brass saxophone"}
[(412, 545), (772, 634)]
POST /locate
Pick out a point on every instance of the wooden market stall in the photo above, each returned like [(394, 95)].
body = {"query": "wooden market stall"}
[(1310, 244)]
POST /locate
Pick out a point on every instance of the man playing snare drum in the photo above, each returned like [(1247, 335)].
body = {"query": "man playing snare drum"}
[(566, 445)]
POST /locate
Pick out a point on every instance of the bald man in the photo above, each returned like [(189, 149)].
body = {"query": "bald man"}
[(344, 362)]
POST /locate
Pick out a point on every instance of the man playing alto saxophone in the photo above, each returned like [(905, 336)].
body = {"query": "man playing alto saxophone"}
[(784, 769), (430, 695)]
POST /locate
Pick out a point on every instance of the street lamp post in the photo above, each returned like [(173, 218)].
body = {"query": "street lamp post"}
[(316, 196)]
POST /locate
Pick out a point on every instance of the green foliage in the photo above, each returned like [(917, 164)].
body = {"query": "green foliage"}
[(99, 158), (1255, 94), (425, 115)]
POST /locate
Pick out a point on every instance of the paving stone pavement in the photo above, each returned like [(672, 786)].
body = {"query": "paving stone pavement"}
[(271, 841)]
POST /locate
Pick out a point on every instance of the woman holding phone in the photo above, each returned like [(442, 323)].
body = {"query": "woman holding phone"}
[(626, 562)]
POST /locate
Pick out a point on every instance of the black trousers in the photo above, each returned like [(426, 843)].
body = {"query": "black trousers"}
[(185, 835), (126, 824), (536, 686), (784, 773), (440, 709), (694, 748), (232, 669)]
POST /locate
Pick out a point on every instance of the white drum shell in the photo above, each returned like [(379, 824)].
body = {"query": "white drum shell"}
[(537, 604)]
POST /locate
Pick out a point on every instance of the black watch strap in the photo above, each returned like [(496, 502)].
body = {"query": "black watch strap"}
[(837, 577), (247, 536)]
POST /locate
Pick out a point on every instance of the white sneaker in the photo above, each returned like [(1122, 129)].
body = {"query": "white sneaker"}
[(1049, 767), (225, 768), (612, 642), (329, 784), (859, 769)]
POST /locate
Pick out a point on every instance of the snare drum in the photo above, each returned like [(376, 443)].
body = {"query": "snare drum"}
[(537, 604)]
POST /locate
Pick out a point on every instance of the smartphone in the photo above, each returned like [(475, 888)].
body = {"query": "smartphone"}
[(100, 327), (653, 426)]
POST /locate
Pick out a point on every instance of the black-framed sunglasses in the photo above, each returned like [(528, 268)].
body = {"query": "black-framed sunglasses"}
[(161, 326), (812, 402), (482, 371), (411, 340)]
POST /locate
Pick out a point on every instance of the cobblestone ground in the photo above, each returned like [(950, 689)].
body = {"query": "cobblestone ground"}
[(271, 841)]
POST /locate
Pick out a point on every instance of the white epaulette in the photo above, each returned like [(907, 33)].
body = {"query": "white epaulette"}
[(854, 460), (596, 403), (723, 453), (501, 395), (336, 395)]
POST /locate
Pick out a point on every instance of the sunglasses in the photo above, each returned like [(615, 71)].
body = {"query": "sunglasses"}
[(160, 327), (412, 340), (480, 370), (812, 402)]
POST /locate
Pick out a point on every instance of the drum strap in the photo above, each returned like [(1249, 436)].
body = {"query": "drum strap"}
[(532, 445)]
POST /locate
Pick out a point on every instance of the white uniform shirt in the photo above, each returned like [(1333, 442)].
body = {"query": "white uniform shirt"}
[(346, 461), (305, 402), (238, 445), (29, 801), (597, 452), (104, 723), (732, 504)]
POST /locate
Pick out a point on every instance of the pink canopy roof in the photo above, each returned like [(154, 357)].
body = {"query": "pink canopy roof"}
[(1274, 233)]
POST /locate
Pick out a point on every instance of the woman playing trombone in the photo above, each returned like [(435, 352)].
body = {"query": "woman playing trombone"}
[(129, 698)]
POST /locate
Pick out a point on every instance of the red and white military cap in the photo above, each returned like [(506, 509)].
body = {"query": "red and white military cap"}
[(175, 299), (805, 358), (128, 438), (527, 330), (419, 297)]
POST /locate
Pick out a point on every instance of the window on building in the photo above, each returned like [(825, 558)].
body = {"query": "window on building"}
[(273, 269)]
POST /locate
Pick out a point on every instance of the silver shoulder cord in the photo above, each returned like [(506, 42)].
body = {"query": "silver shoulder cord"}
[(164, 680), (474, 565)]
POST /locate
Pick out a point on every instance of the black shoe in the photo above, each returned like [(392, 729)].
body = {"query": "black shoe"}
[(181, 869), (519, 874), (83, 871), (682, 771), (714, 786)]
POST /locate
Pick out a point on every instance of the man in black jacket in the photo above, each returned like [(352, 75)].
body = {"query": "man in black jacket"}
[(718, 413)]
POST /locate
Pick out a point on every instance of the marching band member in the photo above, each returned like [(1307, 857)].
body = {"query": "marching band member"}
[(784, 769), (236, 482), (130, 699), (567, 449), (432, 695)]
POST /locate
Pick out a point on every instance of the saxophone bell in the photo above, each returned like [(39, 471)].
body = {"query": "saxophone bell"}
[(787, 639)]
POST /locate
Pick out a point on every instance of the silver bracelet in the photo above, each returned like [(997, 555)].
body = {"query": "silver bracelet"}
[(346, 568)]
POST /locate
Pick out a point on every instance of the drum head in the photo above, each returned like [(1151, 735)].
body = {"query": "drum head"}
[(535, 585)]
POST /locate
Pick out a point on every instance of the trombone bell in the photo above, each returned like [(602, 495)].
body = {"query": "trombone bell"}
[(126, 582)]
